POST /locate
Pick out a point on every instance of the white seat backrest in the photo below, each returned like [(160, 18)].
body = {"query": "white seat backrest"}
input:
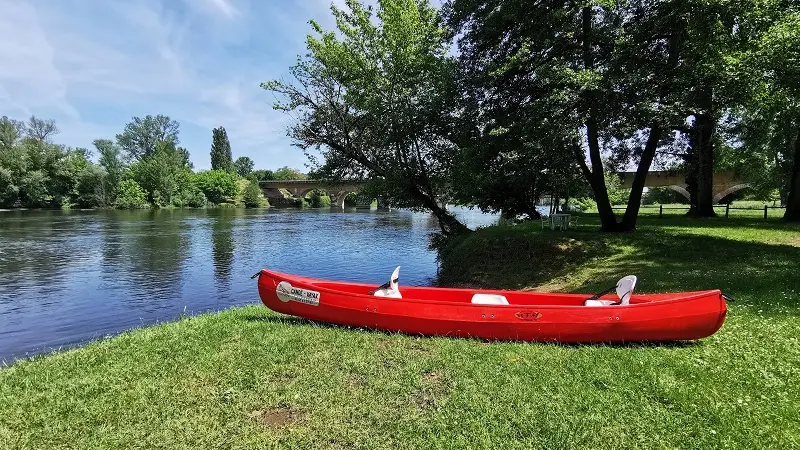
[(624, 291), (625, 288), (489, 299), (393, 290)]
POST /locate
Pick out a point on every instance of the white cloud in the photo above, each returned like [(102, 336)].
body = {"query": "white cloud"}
[(225, 7), (94, 65)]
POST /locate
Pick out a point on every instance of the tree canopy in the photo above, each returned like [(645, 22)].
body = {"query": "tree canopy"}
[(141, 136), (243, 166), (371, 97), (35, 172), (221, 158)]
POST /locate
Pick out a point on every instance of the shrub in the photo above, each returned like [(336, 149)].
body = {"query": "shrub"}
[(300, 202), (193, 197), (662, 195), (130, 195), (617, 195), (318, 200), (217, 185), (252, 195), (584, 204), (351, 199)]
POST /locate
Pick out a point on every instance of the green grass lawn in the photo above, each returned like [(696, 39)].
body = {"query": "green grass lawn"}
[(250, 378)]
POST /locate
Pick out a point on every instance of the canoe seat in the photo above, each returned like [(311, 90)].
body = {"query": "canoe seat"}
[(391, 288), (591, 302), (489, 299), (624, 290)]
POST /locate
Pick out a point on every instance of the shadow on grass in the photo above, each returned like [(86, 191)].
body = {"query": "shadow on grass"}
[(757, 274), (588, 221), (515, 258), (299, 321), (754, 273)]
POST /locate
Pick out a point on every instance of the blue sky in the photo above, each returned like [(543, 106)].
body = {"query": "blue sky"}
[(94, 64)]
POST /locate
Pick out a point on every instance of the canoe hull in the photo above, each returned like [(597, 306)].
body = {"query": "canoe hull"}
[(658, 317)]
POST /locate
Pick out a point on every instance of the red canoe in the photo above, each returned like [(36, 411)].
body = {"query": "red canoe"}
[(500, 315)]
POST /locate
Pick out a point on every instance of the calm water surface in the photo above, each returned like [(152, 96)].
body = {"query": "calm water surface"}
[(72, 276)]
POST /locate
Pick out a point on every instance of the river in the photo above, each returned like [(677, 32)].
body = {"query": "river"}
[(67, 277)]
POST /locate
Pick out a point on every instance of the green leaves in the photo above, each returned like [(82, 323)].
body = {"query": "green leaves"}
[(252, 195), (243, 166), (217, 185), (221, 158), (140, 137), (163, 174), (376, 99), (130, 195)]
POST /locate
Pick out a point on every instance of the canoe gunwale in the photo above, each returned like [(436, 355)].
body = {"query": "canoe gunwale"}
[(309, 283)]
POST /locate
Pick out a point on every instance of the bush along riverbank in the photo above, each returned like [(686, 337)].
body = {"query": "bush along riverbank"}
[(250, 378)]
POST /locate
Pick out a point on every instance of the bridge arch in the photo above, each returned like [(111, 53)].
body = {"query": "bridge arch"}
[(729, 191), (680, 190)]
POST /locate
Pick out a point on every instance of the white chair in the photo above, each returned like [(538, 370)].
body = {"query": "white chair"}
[(624, 289), (573, 222)]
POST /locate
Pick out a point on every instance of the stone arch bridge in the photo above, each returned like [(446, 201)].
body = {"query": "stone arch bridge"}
[(300, 188), (725, 184)]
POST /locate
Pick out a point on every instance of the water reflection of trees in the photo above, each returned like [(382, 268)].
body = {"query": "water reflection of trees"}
[(222, 247), (37, 245), (152, 247)]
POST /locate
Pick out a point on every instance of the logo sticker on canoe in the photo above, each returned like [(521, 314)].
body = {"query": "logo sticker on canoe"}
[(528, 315), (286, 293)]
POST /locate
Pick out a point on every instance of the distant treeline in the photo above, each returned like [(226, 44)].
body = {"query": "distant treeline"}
[(143, 167)]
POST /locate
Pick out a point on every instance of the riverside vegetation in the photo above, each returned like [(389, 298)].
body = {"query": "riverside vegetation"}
[(144, 167)]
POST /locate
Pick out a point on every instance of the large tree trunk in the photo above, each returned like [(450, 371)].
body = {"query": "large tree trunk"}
[(705, 172), (595, 176), (635, 199), (792, 213), (448, 223), (597, 180), (703, 147)]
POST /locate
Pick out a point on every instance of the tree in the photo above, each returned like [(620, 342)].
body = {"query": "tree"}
[(252, 196), (91, 188), (221, 158), (11, 131), (111, 160), (244, 165), (618, 75), (186, 157), (40, 130), (217, 185), (287, 173), (141, 136), (574, 78), (777, 56), (262, 175), (372, 98), (36, 173), (163, 174), (130, 195)]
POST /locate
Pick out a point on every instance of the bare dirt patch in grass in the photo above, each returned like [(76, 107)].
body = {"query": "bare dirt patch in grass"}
[(277, 418), (434, 389)]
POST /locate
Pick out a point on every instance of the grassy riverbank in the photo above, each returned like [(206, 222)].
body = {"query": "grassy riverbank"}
[(249, 378)]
